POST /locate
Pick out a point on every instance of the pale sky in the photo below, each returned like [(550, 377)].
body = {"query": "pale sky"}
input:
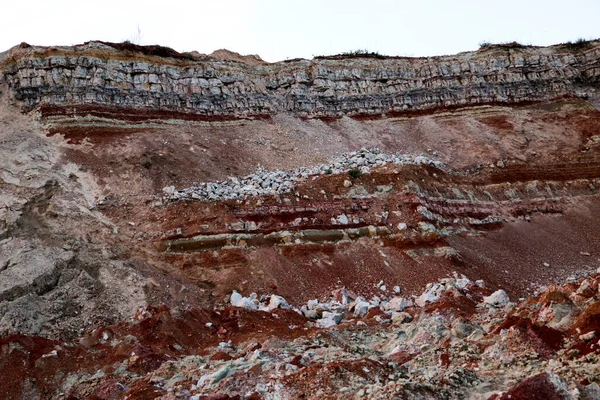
[(278, 29)]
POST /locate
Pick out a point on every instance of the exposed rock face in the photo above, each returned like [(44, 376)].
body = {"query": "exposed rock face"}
[(150, 178), (98, 74)]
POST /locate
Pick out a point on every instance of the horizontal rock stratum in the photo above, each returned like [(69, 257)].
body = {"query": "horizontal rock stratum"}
[(102, 74), (355, 226)]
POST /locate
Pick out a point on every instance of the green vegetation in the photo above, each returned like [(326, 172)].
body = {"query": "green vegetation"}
[(152, 50), (361, 52), (356, 53), (580, 43), (147, 162), (354, 173), (506, 45)]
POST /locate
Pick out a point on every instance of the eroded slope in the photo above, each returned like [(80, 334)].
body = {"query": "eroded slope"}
[(112, 200)]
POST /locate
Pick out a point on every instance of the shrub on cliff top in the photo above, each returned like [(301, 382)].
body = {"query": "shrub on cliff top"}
[(155, 50), (506, 45), (580, 43), (355, 54)]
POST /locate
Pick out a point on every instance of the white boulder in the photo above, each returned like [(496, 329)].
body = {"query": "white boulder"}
[(433, 293), (361, 307), (497, 299), (237, 300)]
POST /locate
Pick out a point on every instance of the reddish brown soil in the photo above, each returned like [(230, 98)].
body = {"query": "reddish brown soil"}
[(544, 340), (160, 335), (513, 257), (535, 387), (327, 377)]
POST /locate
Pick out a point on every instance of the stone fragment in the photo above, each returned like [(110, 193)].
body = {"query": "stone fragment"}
[(463, 282), (401, 317), (432, 293), (237, 300), (329, 319), (52, 354), (588, 336), (308, 313), (398, 304), (590, 392), (344, 296), (361, 308), (497, 299), (461, 329), (586, 289), (277, 302)]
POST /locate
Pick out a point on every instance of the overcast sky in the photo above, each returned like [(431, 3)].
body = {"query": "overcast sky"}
[(280, 29)]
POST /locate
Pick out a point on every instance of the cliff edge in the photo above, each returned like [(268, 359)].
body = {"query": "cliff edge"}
[(156, 78)]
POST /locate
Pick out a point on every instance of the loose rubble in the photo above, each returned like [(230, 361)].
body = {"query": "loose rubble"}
[(456, 339), (344, 305), (264, 182)]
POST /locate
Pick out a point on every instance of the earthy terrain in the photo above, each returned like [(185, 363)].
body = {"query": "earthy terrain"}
[(215, 226)]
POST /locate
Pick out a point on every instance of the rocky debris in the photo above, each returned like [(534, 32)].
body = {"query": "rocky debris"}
[(344, 305), (237, 300), (587, 288), (497, 299), (329, 319), (449, 348), (361, 307), (398, 304), (264, 182), (432, 293), (588, 336), (542, 386), (277, 302)]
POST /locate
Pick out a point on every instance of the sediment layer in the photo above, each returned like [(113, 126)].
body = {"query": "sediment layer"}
[(100, 74)]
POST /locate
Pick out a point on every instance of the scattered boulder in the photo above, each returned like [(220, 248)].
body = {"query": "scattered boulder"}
[(401, 317), (432, 293), (237, 300), (498, 299), (277, 302), (344, 296), (462, 329), (463, 283), (588, 336), (398, 304), (586, 289), (309, 313), (330, 319), (361, 307), (590, 392)]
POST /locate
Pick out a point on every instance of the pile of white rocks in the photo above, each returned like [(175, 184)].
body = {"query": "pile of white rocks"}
[(344, 304), (263, 182)]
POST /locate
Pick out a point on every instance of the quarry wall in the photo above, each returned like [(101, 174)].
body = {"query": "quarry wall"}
[(98, 74)]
